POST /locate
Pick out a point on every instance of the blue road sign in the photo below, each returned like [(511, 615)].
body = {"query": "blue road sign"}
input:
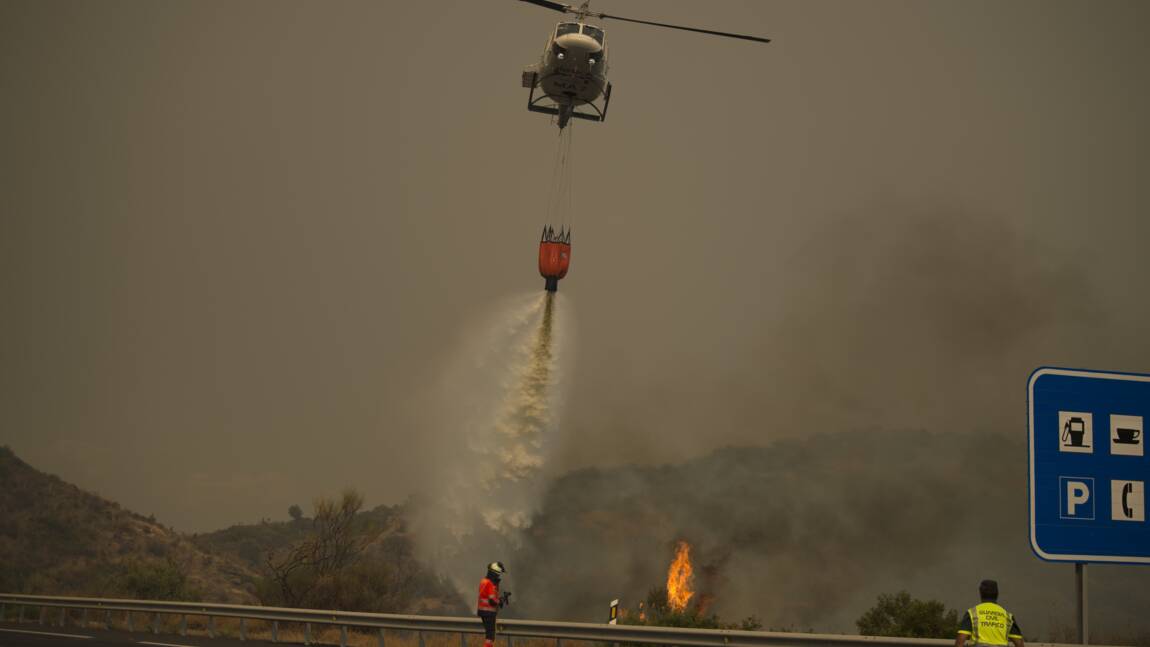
[(1088, 465)]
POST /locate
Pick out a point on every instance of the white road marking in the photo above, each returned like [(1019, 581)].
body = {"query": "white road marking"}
[(144, 642), (44, 633)]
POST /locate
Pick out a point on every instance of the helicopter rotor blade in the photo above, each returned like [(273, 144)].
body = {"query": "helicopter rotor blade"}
[(547, 4), (757, 39)]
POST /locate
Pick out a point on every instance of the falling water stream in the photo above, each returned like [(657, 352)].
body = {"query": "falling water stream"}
[(498, 410)]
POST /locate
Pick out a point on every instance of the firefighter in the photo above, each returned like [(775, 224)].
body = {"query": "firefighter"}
[(490, 601), (988, 624)]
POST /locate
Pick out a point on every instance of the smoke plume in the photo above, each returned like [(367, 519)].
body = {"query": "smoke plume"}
[(912, 317), (498, 406), (805, 533)]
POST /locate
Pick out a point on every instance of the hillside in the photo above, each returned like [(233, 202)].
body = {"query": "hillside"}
[(58, 539), (802, 533), (806, 532), (387, 577), (251, 543)]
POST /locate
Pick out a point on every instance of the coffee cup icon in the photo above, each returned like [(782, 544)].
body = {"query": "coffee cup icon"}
[(1075, 431), (1127, 436)]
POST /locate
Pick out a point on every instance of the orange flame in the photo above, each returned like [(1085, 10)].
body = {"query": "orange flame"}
[(679, 578)]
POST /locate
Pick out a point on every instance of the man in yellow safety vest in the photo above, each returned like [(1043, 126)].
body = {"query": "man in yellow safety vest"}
[(989, 624)]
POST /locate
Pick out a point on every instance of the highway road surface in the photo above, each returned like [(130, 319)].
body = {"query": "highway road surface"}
[(35, 635)]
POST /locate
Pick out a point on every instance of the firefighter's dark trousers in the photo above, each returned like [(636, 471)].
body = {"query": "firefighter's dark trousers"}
[(488, 618)]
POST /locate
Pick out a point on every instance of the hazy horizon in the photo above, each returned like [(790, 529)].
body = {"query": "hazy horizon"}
[(242, 244)]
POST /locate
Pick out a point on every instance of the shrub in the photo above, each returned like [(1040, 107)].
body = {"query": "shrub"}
[(657, 611), (153, 580), (898, 614)]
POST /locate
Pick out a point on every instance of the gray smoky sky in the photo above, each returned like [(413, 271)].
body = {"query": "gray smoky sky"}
[(240, 243)]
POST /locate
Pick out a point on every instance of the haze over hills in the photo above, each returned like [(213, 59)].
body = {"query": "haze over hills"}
[(58, 539), (247, 245), (804, 534), (387, 577)]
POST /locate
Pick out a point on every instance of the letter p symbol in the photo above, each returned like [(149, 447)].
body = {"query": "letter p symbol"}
[(1077, 501)]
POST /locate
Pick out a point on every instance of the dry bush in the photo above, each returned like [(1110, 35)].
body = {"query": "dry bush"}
[(313, 572)]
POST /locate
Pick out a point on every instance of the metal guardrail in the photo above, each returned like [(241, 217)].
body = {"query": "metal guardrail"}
[(559, 631)]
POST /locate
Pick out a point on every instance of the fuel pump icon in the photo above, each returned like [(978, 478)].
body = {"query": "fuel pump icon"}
[(1075, 431)]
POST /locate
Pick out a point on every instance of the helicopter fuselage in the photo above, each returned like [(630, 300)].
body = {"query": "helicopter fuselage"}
[(573, 69), (572, 72)]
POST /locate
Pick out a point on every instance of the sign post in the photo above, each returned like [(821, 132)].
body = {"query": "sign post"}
[(1083, 615), (1088, 470)]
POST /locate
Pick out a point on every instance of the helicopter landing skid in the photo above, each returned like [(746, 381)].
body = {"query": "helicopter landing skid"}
[(533, 105)]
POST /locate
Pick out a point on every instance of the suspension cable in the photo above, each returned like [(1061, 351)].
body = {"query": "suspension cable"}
[(561, 199)]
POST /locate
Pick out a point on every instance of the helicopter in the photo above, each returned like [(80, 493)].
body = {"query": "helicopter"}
[(572, 72)]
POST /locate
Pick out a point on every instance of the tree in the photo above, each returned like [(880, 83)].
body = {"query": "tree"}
[(898, 614), (309, 572), (353, 561), (295, 512)]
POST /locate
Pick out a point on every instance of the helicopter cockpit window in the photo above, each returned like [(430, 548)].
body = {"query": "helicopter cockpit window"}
[(594, 32), (567, 28)]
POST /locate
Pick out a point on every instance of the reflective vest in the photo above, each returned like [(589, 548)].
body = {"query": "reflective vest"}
[(488, 596), (990, 624)]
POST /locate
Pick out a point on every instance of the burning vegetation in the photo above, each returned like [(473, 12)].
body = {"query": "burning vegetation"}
[(671, 605), (680, 578)]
